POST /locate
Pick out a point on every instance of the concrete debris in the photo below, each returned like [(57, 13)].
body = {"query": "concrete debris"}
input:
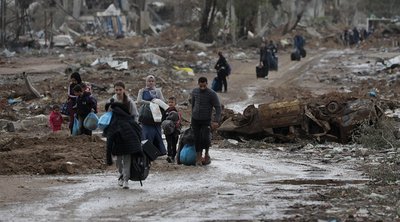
[(240, 55), (110, 11), (287, 120), (152, 58), (60, 41), (7, 53), (115, 64), (197, 45), (391, 63)]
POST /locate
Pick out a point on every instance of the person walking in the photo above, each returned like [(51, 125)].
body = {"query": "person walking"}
[(223, 70), (85, 103), (75, 79), (123, 139), (265, 55), (204, 100), (172, 131), (151, 130), (128, 106)]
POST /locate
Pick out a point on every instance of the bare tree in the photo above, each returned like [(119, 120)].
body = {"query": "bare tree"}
[(207, 21), (300, 9)]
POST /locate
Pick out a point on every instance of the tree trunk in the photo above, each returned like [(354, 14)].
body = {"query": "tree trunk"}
[(3, 22), (207, 21)]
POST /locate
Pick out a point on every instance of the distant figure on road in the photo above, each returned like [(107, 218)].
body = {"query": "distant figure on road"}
[(265, 58), (203, 101), (223, 71)]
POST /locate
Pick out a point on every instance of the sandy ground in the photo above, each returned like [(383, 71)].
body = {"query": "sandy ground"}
[(256, 181)]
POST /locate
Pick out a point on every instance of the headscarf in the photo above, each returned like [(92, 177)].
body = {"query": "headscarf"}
[(147, 82)]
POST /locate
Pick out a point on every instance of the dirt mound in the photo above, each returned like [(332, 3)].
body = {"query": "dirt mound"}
[(57, 153)]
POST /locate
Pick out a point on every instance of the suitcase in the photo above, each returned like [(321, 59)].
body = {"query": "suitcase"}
[(150, 150), (303, 52), (261, 72), (295, 55)]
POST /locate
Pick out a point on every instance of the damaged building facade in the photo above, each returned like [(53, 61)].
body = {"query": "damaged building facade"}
[(22, 21)]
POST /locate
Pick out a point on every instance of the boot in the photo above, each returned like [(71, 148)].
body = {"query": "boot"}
[(198, 159)]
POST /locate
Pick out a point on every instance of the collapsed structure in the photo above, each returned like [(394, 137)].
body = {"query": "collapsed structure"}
[(334, 120)]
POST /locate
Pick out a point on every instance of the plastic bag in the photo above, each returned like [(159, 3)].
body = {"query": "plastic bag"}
[(156, 112), (91, 121), (105, 120), (76, 128), (188, 155)]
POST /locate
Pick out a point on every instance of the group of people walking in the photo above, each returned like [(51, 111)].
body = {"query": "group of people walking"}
[(129, 125)]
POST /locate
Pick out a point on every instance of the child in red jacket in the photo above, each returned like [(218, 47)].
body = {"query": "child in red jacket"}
[(55, 119)]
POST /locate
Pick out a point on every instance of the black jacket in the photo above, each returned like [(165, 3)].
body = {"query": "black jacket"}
[(123, 133), (85, 104), (221, 64)]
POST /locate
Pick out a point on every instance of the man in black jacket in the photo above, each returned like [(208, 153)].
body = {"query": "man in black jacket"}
[(203, 101)]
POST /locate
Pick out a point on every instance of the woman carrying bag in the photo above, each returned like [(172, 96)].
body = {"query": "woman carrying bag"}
[(151, 130)]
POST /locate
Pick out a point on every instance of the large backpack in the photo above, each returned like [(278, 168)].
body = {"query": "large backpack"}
[(228, 69), (140, 167)]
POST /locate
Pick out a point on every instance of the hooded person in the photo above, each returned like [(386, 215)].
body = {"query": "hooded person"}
[(151, 130)]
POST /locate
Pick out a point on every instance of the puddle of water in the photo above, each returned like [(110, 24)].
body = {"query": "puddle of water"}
[(329, 182), (239, 107)]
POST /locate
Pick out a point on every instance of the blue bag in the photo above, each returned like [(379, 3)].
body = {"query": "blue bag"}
[(105, 120), (216, 85), (188, 155), (91, 121), (76, 128)]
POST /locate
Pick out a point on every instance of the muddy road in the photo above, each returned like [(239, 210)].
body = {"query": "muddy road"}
[(258, 181), (246, 184)]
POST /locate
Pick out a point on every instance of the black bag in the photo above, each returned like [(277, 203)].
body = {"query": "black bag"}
[(261, 72), (303, 52), (64, 109), (150, 150), (295, 55), (145, 115), (140, 167)]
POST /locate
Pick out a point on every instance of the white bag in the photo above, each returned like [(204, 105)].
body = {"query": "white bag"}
[(161, 103), (156, 112)]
